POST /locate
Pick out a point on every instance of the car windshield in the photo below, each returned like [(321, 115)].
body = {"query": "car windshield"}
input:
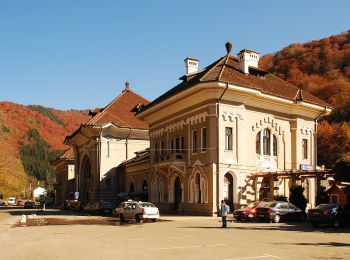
[(325, 206), (147, 205)]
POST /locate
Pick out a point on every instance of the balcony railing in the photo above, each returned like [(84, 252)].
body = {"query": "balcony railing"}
[(170, 157)]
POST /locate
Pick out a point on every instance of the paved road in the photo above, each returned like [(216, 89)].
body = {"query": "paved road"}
[(174, 238)]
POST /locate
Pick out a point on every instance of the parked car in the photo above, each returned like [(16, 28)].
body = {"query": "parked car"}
[(20, 202), (278, 211), (331, 214), (137, 210), (11, 201), (103, 207), (248, 212), (90, 207), (29, 204)]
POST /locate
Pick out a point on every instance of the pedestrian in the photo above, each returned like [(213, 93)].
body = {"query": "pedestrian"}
[(224, 210)]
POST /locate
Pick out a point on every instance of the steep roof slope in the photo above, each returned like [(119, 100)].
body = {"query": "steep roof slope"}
[(119, 111), (226, 69)]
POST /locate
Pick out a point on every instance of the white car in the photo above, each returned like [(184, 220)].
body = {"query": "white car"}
[(137, 210), (11, 201)]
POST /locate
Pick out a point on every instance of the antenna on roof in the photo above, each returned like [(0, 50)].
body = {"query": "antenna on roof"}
[(127, 88), (228, 46)]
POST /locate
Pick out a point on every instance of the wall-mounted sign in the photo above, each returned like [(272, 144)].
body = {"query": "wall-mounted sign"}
[(306, 167)]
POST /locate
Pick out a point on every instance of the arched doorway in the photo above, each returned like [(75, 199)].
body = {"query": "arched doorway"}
[(228, 190), (87, 180), (264, 192), (178, 192), (144, 189), (132, 187)]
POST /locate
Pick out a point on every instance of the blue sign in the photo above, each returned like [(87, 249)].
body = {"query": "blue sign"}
[(306, 167)]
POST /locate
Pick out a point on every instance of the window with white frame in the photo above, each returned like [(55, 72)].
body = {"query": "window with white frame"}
[(204, 139), (228, 139), (266, 143)]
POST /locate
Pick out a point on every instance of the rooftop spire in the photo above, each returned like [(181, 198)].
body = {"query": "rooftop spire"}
[(228, 46), (127, 88)]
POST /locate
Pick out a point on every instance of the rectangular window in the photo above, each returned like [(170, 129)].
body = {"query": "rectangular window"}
[(172, 148), (182, 144), (305, 152), (194, 141), (177, 145), (204, 139), (228, 138), (108, 149), (162, 148), (155, 150)]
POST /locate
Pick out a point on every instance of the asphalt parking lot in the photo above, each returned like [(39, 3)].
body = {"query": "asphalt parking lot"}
[(66, 235)]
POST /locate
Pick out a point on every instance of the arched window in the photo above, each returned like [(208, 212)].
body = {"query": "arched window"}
[(266, 141), (144, 186), (274, 145), (258, 150), (198, 195)]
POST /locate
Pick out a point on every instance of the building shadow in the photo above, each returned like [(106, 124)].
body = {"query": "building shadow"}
[(286, 227)]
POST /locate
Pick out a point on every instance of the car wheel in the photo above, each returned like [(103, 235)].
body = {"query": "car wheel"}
[(154, 220), (314, 224), (250, 217), (137, 218), (121, 217), (276, 218), (337, 223)]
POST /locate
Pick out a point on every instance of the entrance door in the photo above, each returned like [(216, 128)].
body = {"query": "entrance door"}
[(228, 190), (178, 192)]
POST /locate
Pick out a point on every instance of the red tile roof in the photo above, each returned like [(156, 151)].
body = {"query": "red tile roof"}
[(226, 69), (119, 111)]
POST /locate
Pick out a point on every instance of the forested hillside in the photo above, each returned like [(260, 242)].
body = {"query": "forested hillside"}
[(30, 137), (322, 68)]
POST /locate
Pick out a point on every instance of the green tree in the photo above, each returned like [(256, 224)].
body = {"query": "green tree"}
[(36, 156), (297, 197)]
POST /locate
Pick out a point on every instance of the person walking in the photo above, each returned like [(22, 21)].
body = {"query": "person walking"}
[(224, 210)]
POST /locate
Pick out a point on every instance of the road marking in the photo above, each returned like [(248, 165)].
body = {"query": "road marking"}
[(256, 257), (185, 247)]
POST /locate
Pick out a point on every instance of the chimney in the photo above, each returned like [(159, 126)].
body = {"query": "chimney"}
[(191, 65), (248, 58)]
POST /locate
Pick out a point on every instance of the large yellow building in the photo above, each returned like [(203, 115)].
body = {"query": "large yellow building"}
[(219, 126)]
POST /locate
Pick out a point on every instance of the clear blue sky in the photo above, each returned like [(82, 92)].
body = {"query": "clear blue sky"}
[(77, 54)]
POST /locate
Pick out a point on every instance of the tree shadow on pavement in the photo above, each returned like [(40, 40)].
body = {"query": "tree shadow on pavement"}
[(329, 244)]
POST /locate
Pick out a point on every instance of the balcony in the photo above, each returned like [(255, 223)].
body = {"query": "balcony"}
[(170, 157)]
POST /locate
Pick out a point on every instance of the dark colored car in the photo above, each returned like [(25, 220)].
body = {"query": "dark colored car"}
[(331, 214), (278, 211), (29, 204), (248, 212), (103, 207)]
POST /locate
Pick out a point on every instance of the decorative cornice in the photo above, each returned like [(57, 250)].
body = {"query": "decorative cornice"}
[(192, 120)]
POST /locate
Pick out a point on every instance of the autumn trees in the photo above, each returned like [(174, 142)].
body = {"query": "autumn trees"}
[(322, 68)]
